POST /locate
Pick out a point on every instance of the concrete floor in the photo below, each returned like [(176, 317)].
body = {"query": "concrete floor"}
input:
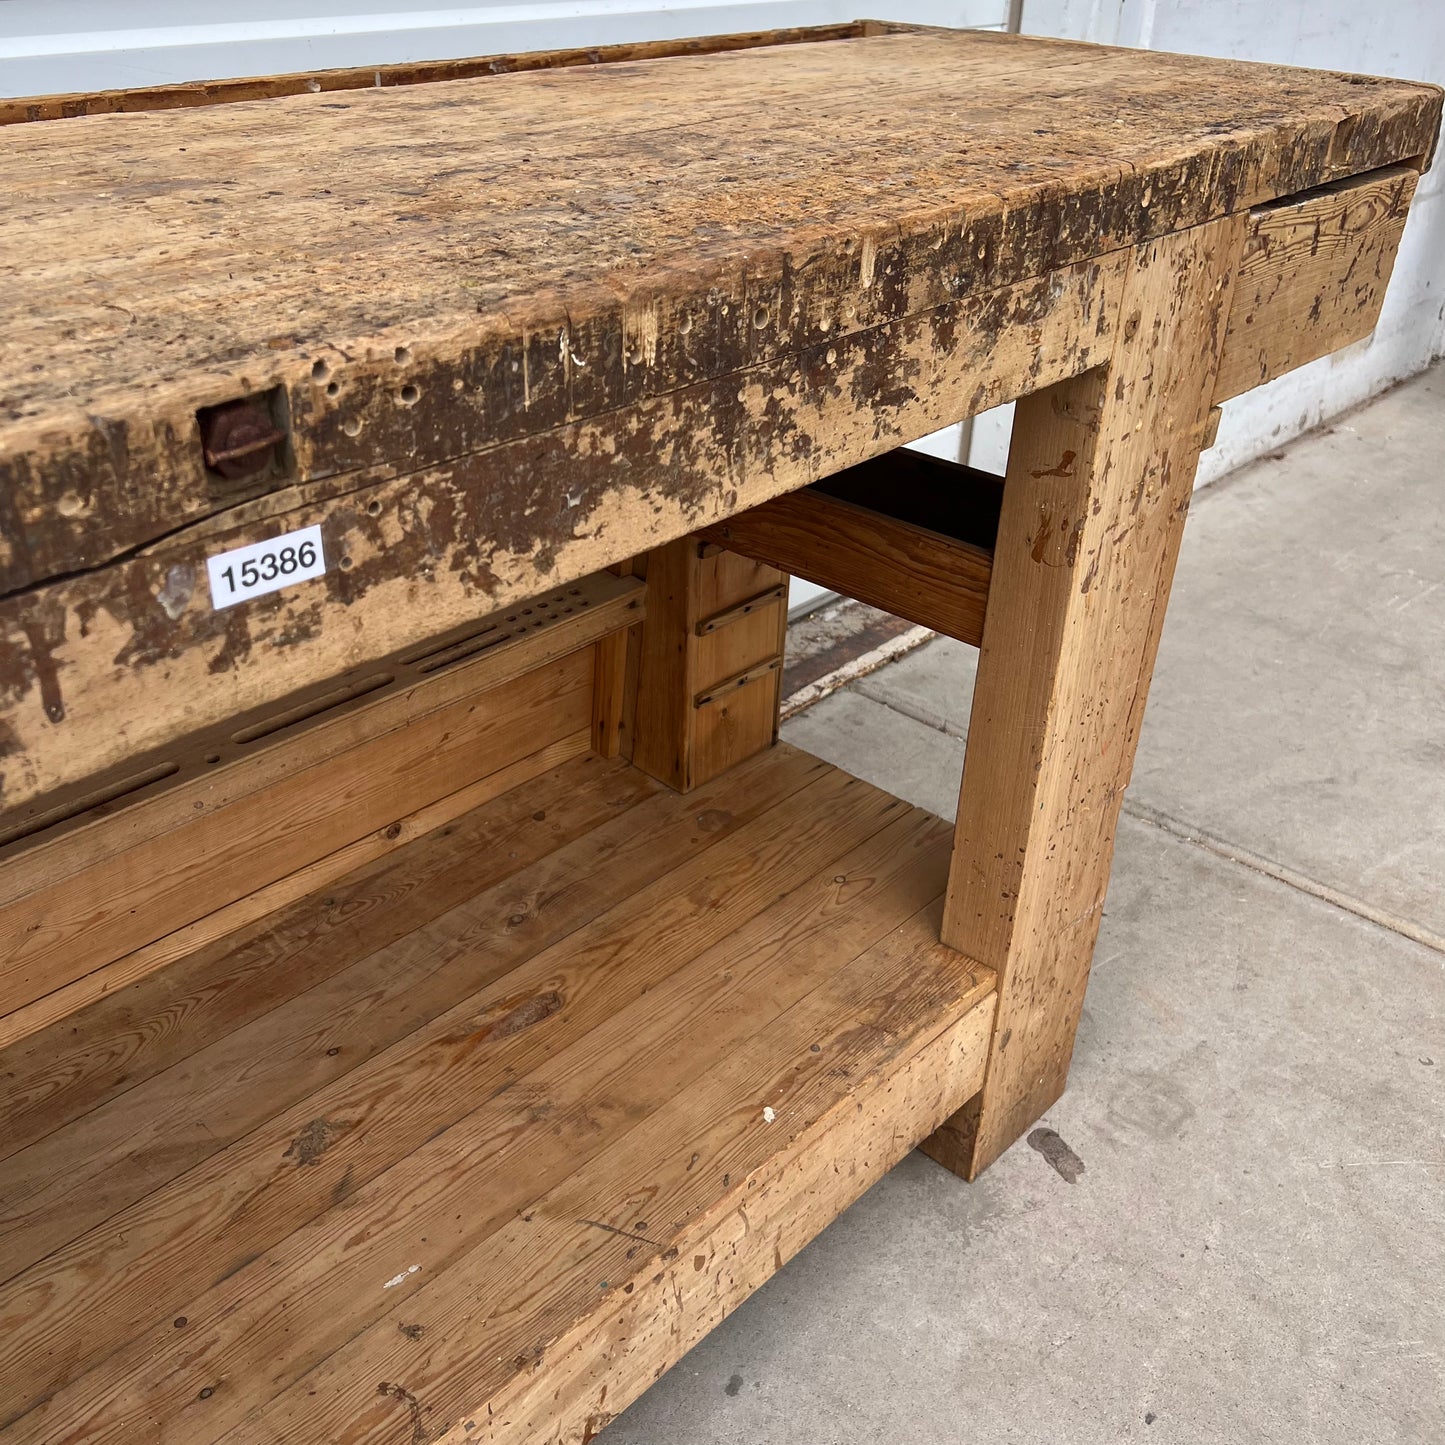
[(1255, 1249)]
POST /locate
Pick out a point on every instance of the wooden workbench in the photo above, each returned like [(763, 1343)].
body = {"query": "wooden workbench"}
[(429, 997)]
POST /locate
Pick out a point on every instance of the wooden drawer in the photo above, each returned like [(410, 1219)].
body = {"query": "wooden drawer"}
[(1312, 275)]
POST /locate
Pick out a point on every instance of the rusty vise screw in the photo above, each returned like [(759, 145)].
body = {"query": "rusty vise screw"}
[(238, 438)]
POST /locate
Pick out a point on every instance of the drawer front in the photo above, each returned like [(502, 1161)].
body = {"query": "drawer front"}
[(1312, 276)]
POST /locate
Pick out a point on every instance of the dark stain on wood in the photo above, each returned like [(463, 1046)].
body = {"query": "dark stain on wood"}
[(424, 331), (419, 1433), (314, 1140), (510, 1017)]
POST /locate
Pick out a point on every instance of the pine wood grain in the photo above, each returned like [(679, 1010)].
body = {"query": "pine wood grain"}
[(1053, 151), (1312, 276), (214, 771), (232, 920), (733, 724), (211, 1220), (609, 694), (693, 1209), (317, 1288), (153, 1132), (902, 568), (129, 899), (218, 985), (407, 937), (374, 77), (1099, 479), (787, 1204)]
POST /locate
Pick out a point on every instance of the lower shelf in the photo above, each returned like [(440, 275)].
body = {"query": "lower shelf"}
[(476, 1142)]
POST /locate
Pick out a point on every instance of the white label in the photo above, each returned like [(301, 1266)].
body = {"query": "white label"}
[(263, 567)]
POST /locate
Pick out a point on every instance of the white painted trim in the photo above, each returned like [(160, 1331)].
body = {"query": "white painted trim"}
[(311, 27), (889, 651)]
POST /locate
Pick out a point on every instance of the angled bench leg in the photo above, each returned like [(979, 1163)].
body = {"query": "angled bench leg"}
[(1098, 483)]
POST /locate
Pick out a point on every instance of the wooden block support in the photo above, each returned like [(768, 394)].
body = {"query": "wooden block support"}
[(1098, 484), (912, 571), (710, 674), (609, 692)]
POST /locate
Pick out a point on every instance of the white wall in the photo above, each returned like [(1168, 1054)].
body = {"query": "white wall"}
[(1401, 38), (49, 46)]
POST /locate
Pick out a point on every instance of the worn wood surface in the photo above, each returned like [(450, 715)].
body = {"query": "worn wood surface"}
[(132, 1107), (691, 329), (184, 96), (609, 694), (152, 1135), (596, 1055), (114, 979), (903, 568), (261, 1184), (630, 242), (72, 927), (436, 549), (251, 750), (193, 1228), (244, 815), (1312, 276), (851, 1074), (1099, 479)]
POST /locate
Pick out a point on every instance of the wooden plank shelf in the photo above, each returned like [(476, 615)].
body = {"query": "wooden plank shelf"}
[(600, 1060), (280, 799)]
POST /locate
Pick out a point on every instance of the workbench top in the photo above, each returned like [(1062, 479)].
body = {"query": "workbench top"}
[(514, 235), (477, 335)]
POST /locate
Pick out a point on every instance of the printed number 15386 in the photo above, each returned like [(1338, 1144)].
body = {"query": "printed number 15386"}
[(263, 567)]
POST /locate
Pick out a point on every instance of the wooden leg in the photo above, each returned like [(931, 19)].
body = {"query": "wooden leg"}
[(711, 662), (1098, 482)]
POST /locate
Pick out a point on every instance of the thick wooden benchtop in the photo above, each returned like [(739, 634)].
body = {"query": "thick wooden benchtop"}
[(518, 327), (160, 262)]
